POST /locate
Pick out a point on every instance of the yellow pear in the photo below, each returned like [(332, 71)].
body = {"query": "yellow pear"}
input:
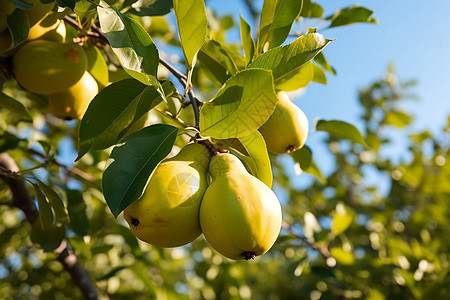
[(46, 67), (287, 128), (240, 216), (73, 102), (6, 8), (167, 213), (49, 28)]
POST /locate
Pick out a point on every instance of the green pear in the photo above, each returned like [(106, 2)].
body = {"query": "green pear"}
[(240, 216), (287, 128), (45, 67), (167, 213)]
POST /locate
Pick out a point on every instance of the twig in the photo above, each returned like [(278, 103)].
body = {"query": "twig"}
[(183, 80), (180, 76), (321, 249), (23, 201), (69, 169)]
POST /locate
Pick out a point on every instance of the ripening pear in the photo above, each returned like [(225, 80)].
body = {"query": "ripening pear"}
[(73, 102), (287, 128), (167, 213), (240, 216), (46, 67)]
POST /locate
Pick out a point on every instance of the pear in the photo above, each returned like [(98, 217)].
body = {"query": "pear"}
[(45, 67), (240, 216), (73, 102), (287, 128), (167, 213)]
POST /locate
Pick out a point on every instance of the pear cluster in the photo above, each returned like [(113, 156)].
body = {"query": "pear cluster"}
[(237, 213), (192, 193), (47, 65)]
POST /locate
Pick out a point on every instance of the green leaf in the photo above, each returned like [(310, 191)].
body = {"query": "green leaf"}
[(319, 75), (240, 107), (153, 8), (78, 245), (311, 10), (15, 107), (133, 46), (398, 118), (61, 215), (79, 222), (342, 256), (112, 272), (47, 147), (248, 44), (341, 129), (287, 59), (342, 219), (253, 151), (320, 59), (47, 238), (18, 25), (276, 21), (192, 25), (258, 159), (351, 15), (140, 270), (297, 79), (8, 141), (125, 179), (113, 111), (216, 59), (303, 156), (97, 65), (66, 3), (129, 238), (45, 210)]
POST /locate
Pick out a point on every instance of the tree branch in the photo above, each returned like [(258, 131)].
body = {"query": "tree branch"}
[(23, 201), (180, 76), (21, 198), (69, 169), (330, 260)]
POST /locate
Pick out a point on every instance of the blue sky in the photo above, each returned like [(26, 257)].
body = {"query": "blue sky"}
[(412, 35)]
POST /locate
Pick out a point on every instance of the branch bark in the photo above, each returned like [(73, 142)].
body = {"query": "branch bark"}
[(22, 200)]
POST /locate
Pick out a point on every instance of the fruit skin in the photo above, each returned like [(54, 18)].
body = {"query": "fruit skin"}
[(167, 213), (73, 102), (46, 67), (287, 128), (240, 216)]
